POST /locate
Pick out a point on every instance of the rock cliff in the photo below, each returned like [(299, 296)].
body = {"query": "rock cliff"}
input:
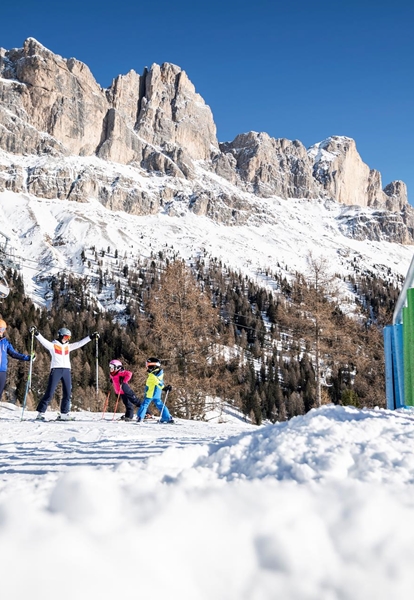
[(64, 136)]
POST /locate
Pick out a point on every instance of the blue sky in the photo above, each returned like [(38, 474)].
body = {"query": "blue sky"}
[(300, 70)]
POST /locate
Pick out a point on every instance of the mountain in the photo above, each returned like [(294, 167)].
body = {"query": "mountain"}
[(137, 167)]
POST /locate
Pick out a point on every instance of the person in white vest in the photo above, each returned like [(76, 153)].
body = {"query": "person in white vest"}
[(59, 350)]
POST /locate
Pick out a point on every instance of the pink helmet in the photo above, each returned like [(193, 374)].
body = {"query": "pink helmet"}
[(115, 365)]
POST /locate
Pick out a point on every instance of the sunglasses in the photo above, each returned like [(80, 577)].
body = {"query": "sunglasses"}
[(2, 329)]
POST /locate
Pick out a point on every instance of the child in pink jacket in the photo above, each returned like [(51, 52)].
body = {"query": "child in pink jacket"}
[(120, 378)]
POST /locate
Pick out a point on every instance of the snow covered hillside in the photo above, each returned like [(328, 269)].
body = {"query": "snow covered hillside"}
[(50, 235), (317, 508)]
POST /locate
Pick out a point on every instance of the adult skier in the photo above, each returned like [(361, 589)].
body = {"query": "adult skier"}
[(6, 349), (59, 350), (153, 388)]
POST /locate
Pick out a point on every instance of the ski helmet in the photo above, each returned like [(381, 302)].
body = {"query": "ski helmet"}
[(115, 365), (64, 332), (152, 364)]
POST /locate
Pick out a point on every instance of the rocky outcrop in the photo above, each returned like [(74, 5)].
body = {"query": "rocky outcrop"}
[(135, 118), (396, 196), (339, 169), (59, 97), (171, 111), (272, 167), (53, 114), (377, 225)]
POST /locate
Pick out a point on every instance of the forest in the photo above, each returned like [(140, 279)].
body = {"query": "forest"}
[(274, 348)]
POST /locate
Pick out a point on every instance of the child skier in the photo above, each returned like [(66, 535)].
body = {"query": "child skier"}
[(120, 377), (153, 387), (59, 350)]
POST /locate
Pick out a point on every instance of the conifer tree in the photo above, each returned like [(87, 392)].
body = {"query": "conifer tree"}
[(316, 288), (182, 328)]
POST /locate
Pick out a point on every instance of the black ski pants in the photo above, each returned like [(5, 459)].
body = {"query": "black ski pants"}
[(56, 375), (130, 400)]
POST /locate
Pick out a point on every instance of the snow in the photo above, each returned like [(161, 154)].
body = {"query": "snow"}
[(317, 508), (49, 235), (319, 153)]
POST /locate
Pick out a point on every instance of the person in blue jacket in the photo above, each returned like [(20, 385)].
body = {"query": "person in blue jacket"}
[(153, 388), (6, 349)]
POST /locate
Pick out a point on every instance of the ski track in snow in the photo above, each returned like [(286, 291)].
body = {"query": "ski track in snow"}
[(36, 449)]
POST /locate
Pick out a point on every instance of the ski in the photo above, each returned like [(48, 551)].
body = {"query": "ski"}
[(71, 420), (57, 420)]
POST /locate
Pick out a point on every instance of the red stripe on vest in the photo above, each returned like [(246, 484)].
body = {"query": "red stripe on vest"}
[(61, 349)]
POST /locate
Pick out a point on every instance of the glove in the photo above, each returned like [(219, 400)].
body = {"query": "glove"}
[(33, 330), (167, 388), (94, 335), (33, 357)]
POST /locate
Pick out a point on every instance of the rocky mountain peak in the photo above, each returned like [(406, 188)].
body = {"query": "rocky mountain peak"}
[(338, 167), (52, 111)]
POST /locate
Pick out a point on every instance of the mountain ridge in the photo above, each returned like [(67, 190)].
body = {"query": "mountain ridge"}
[(253, 203), (159, 126)]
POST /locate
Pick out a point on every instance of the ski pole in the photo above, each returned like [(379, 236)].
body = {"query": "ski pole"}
[(97, 370), (26, 391), (29, 377), (116, 406), (106, 404), (163, 406)]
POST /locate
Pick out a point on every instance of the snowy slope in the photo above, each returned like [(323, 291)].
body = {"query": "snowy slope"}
[(49, 236), (317, 508)]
